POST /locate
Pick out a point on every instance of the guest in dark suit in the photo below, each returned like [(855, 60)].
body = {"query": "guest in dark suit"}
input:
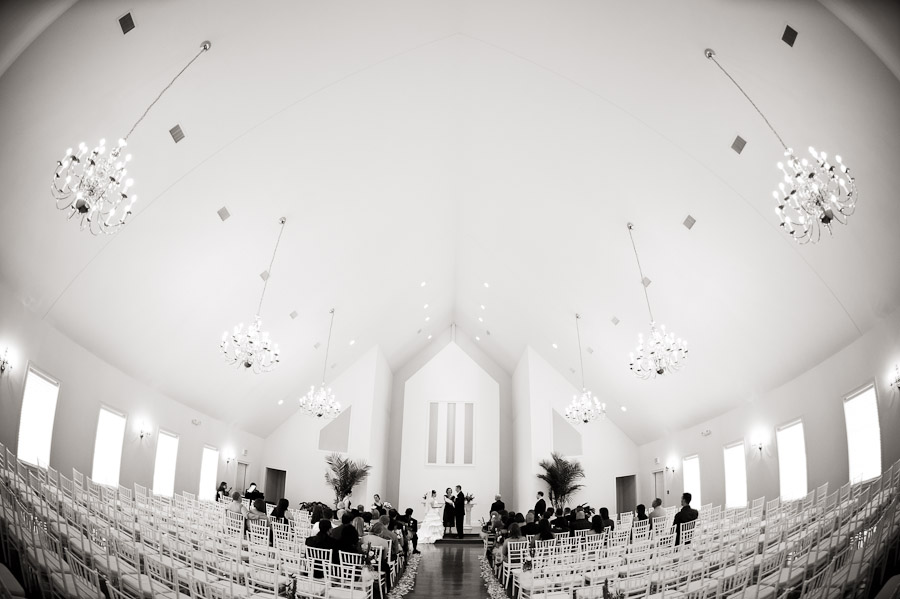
[(580, 522), (253, 493), (459, 510), (541, 506), (498, 505), (687, 514), (530, 528), (561, 522), (322, 540)]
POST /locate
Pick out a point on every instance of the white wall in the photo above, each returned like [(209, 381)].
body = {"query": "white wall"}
[(450, 376), (86, 382), (607, 451), (523, 462), (294, 446), (816, 396)]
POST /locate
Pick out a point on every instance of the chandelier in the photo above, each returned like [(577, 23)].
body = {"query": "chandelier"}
[(320, 402), (584, 408), (252, 348), (814, 193), (662, 352), (93, 185)]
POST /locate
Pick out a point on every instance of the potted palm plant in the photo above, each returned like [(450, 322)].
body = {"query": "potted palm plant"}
[(343, 474), (561, 476)]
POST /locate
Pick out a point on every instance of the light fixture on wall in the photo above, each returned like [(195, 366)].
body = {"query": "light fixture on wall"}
[(813, 194), (670, 467), (758, 440), (4, 361), (252, 349), (584, 408), (895, 384), (229, 457), (663, 352), (321, 402), (94, 184), (757, 445), (145, 430)]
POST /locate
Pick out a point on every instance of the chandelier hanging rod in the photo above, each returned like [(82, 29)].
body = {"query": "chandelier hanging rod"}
[(640, 270), (580, 356), (711, 54), (271, 262), (203, 48), (328, 347)]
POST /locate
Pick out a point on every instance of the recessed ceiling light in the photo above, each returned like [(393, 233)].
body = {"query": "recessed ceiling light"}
[(486, 285), (554, 346), (624, 409), (422, 284), (477, 338), (425, 307), (353, 342), (427, 318), (429, 337), (480, 319), (280, 401), (482, 306)]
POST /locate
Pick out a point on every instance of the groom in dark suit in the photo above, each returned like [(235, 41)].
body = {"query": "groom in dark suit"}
[(459, 510)]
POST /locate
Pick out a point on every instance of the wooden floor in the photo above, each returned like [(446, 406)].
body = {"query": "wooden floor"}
[(449, 571)]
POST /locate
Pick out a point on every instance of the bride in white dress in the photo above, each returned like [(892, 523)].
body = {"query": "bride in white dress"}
[(432, 527)]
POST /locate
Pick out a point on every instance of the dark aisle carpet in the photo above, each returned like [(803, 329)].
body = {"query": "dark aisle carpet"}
[(449, 571)]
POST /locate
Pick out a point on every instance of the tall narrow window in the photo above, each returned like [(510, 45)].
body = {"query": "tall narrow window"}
[(863, 434), (791, 460), (735, 475), (691, 467), (164, 468), (108, 447), (209, 469), (36, 421)]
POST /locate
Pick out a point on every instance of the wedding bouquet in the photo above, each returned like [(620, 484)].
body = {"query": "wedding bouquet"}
[(386, 506), (469, 497)]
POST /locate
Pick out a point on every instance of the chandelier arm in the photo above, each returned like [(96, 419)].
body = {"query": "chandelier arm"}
[(327, 347), (712, 56), (203, 48), (580, 356), (640, 270), (271, 262)]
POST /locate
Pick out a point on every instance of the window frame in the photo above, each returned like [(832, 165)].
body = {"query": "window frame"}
[(858, 391), (159, 433), (778, 429), (216, 474), (111, 410), (29, 368), (743, 445), (696, 496)]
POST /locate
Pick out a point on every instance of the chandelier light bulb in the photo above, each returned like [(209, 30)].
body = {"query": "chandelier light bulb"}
[(320, 402), (584, 408), (91, 185)]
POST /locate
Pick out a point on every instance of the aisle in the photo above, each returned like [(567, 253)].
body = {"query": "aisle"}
[(449, 571)]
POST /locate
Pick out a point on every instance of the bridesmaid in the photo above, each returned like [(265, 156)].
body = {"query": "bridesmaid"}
[(449, 511)]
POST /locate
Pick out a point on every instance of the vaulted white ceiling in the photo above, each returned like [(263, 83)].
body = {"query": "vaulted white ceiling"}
[(455, 143)]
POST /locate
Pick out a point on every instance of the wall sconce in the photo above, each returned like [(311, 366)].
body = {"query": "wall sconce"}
[(895, 384), (145, 430), (757, 445), (670, 468), (228, 459), (4, 361)]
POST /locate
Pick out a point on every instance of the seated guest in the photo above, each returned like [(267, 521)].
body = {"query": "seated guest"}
[(348, 543), (376, 539), (640, 512), (322, 540), (605, 519), (367, 517), (390, 535), (561, 522), (236, 505), (530, 527), (338, 531), (548, 515), (360, 525), (377, 503), (597, 525), (281, 513), (515, 534), (580, 522), (222, 491), (658, 511), (687, 514), (496, 523), (316, 515), (257, 511), (498, 504), (253, 493), (545, 532)]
